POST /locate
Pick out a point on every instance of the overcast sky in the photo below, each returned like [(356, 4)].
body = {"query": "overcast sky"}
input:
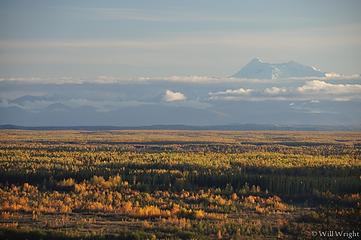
[(161, 38)]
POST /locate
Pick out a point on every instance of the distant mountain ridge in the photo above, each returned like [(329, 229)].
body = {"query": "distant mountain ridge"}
[(261, 70)]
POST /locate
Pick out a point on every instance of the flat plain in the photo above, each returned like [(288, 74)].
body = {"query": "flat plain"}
[(178, 184)]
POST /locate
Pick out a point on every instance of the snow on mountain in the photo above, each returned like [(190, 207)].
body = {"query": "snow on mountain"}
[(261, 70)]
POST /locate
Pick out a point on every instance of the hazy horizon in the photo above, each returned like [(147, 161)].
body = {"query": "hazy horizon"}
[(169, 62)]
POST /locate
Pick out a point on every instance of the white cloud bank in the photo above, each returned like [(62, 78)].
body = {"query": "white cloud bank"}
[(275, 90), (310, 91), (318, 86), (188, 79), (171, 96), (230, 94)]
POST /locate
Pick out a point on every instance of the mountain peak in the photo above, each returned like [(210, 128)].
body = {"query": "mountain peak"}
[(256, 60), (258, 69)]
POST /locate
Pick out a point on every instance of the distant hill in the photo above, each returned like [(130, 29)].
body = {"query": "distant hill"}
[(233, 127), (261, 70)]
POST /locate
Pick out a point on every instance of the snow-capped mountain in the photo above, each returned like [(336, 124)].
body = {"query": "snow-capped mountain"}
[(262, 70)]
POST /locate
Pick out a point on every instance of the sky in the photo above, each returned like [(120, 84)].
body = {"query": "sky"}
[(167, 37), (142, 62)]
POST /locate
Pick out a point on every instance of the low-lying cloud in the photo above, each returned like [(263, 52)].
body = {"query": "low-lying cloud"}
[(310, 90), (187, 79), (230, 94), (226, 102), (318, 86), (113, 96), (171, 96), (275, 90)]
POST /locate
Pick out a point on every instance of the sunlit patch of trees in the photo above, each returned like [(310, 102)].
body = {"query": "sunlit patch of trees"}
[(216, 184)]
